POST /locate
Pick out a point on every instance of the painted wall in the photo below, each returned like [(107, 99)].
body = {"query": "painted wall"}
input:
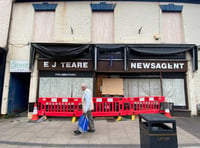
[(5, 11), (75, 15), (191, 23), (129, 17)]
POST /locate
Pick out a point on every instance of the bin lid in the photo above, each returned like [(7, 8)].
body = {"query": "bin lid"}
[(156, 117)]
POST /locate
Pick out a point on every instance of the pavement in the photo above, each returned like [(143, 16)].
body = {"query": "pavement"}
[(19, 132)]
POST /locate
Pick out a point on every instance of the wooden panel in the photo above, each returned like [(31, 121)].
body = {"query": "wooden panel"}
[(111, 66), (102, 27), (112, 86), (99, 84), (44, 26), (172, 27)]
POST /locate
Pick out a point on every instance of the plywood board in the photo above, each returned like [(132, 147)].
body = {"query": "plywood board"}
[(112, 86), (172, 27), (44, 26), (102, 27)]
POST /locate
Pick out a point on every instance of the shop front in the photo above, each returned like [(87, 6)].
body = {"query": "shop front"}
[(113, 70), (63, 79), (145, 70), (62, 68)]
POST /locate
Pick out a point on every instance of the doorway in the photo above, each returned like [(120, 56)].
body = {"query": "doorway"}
[(2, 71), (18, 93)]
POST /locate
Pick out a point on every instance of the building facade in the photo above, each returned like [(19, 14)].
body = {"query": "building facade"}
[(5, 13), (119, 48)]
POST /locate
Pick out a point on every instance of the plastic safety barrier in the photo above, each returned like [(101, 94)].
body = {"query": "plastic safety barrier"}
[(139, 105), (107, 106), (103, 106), (59, 106)]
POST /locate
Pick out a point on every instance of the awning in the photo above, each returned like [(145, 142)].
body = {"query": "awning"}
[(110, 47), (61, 52), (161, 49), (168, 49), (58, 52)]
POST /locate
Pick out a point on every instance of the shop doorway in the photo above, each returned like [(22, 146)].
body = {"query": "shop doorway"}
[(18, 93)]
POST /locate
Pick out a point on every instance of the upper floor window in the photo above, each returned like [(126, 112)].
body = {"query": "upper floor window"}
[(172, 26), (44, 20), (102, 23)]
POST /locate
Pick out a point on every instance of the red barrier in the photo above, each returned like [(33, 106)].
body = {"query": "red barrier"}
[(103, 106), (138, 105), (107, 106), (59, 107)]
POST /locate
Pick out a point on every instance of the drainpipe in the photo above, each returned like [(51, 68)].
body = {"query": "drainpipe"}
[(95, 58)]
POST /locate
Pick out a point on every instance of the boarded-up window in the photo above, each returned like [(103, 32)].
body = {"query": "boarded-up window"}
[(112, 86), (172, 27), (44, 26), (63, 87), (174, 91), (141, 87), (102, 27)]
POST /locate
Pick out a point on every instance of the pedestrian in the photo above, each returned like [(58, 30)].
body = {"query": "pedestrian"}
[(87, 106)]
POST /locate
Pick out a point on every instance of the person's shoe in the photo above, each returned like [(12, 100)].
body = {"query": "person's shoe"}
[(91, 130), (77, 132)]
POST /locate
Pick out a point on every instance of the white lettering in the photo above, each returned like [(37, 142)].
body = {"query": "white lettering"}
[(146, 65), (169, 66), (79, 65), (54, 65), (164, 66), (73, 65), (158, 66), (46, 64), (85, 64), (176, 65), (181, 64), (133, 65), (139, 65), (153, 66), (68, 64), (62, 64)]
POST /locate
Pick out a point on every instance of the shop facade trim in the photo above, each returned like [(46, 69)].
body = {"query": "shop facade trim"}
[(173, 1), (44, 7), (75, 65), (171, 8), (103, 6), (157, 66), (111, 57)]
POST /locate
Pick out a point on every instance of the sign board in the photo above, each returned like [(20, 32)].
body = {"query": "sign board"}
[(81, 65), (19, 66), (157, 66)]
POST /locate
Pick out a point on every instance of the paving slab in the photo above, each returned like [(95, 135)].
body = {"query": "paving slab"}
[(20, 133)]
